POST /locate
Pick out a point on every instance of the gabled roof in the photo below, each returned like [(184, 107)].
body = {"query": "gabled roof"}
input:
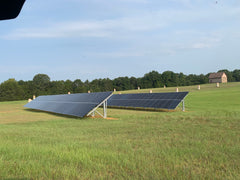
[(216, 75)]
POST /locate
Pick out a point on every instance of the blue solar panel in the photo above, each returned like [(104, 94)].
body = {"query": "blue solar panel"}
[(147, 100), (70, 104)]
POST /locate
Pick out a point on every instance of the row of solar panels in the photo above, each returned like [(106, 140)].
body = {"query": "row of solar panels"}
[(143, 100), (81, 104), (70, 104)]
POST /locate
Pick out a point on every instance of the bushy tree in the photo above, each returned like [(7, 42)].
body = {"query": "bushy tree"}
[(10, 90), (121, 83), (41, 83), (236, 74), (152, 80), (78, 86), (169, 78)]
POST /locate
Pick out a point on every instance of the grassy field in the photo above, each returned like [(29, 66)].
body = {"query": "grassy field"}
[(201, 143)]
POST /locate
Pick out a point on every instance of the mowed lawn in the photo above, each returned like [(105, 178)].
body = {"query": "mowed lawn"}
[(201, 143)]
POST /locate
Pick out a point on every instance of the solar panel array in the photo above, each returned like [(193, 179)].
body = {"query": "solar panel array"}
[(147, 100), (70, 104)]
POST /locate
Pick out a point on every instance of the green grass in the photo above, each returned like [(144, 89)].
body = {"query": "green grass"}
[(201, 143)]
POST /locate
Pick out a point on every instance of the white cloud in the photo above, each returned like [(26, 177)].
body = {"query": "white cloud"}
[(119, 54), (104, 28), (149, 29), (60, 30), (201, 45), (206, 43)]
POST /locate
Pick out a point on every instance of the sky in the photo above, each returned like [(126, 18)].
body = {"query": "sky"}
[(91, 39)]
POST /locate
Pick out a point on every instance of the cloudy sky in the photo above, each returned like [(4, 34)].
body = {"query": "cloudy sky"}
[(89, 39)]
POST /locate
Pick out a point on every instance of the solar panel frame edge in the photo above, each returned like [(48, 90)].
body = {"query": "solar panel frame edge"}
[(55, 111), (182, 99)]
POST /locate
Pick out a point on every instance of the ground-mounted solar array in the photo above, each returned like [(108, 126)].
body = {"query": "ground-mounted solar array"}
[(148, 100), (70, 104)]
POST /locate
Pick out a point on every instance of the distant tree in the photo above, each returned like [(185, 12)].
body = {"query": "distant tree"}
[(78, 86), (95, 85), (107, 84), (121, 83), (181, 79), (192, 79), (68, 86), (41, 79), (236, 74), (41, 83), (57, 87), (10, 90), (202, 79), (169, 78), (27, 87), (152, 80), (133, 83), (87, 85)]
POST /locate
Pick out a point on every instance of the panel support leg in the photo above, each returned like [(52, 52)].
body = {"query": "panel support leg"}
[(94, 111), (183, 105), (105, 109)]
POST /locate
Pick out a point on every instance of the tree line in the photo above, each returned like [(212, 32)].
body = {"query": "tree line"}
[(42, 85)]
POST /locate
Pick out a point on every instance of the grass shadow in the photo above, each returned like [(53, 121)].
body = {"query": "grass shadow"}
[(55, 114), (18, 179)]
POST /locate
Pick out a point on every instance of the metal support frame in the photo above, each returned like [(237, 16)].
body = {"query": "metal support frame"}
[(183, 105), (104, 104)]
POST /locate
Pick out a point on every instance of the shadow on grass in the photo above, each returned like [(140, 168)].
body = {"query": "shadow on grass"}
[(55, 114), (85, 117), (18, 179)]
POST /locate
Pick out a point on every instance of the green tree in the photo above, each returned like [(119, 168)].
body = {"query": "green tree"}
[(10, 91), (41, 83), (107, 84), (27, 87), (202, 79), (57, 87), (78, 86), (134, 83), (121, 83), (68, 86), (169, 78), (152, 80), (181, 79), (236, 74)]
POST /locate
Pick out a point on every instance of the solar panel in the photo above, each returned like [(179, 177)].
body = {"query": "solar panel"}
[(147, 100), (70, 104)]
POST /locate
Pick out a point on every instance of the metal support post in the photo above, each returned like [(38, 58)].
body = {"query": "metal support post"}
[(183, 105), (105, 109), (104, 104)]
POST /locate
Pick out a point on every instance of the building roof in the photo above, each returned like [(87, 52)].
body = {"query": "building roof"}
[(216, 75)]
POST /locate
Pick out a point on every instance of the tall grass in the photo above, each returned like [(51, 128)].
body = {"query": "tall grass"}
[(201, 143)]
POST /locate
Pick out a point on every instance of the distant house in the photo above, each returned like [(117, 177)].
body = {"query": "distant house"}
[(220, 77)]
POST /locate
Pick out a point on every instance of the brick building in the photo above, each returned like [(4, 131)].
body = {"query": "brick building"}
[(220, 77)]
